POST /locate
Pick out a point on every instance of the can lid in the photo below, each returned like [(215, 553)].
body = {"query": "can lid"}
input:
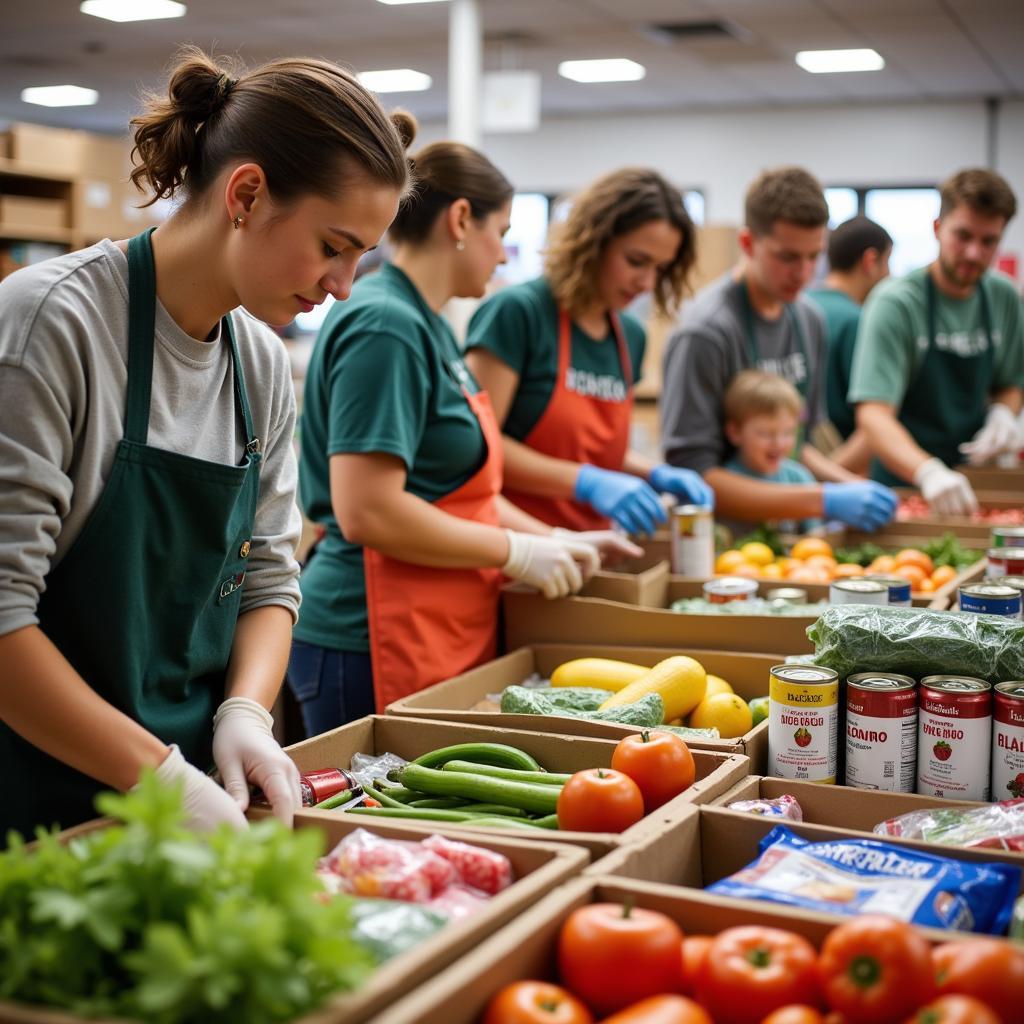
[(880, 681), (731, 585), (691, 510), (804, 674), (956, 684), (989, 590), (882, 577), (1008, 531), (1003, 553), (794, 595), (1011, 688), (861, 586), (1017, 582)]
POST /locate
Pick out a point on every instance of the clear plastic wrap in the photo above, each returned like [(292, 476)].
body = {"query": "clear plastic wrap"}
[(785, 806), (368, 767), (482, 869), (387, 928), (918, 642), (997, 826)]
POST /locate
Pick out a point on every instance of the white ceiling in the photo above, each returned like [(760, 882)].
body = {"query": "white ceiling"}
[(934, 50)]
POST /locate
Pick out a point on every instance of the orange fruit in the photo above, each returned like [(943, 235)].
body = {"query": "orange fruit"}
[(807, 546), (926, 586), (912, 556), (914, 573), (882, 564), (771, 572), (750, 572), (729, 560), (847, 569), (808, 574), (943, 575), (785, 564), (825, 561)]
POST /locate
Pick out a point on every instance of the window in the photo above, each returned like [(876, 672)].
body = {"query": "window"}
[(527, 234), (843, 203)]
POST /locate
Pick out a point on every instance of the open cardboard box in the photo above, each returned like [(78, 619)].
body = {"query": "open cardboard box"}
[(538, 868), (527, 948), (992, 478), (411, 737), (455, 699), (627, 582)]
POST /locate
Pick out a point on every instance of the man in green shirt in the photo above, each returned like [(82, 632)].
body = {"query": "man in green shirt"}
[(938, 371)]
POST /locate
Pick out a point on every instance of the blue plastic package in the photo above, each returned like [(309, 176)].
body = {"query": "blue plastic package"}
[(863, 876)]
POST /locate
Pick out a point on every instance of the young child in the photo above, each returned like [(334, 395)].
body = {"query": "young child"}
[(762, 420)]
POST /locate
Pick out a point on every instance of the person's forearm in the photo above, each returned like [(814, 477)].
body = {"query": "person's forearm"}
[(823, 467), (741, 497), (1012, 398), (532, 472), (259, 654), (46, 702), (889, 440), (512, 517), (854, 454), (639, 465)]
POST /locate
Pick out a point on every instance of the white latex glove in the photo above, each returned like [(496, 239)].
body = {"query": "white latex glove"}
[(206, 804), (555, 566), (1000, 433), (948, 493), (245, 751), (611, 546)]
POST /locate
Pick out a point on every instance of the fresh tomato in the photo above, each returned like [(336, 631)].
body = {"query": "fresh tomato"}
[(661, 1010), (612, 956), (954, 1009), (991, 970), (750, 971), (875, 969), (795, 1013), (599, 800), (660, 763), (536, 1002), (695, 948)]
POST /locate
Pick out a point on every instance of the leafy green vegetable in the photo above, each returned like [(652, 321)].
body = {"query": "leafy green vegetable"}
[(686, 733), (648, 711), (946, 550), (564, 698), (145, 920)]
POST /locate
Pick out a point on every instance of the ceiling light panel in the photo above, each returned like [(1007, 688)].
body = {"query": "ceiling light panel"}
[(828, 62), (132, 10), (60, 96), (395, 80), (612, 69)]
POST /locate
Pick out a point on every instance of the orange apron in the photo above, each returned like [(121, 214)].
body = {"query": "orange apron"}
[(579, 428), (428, 624)]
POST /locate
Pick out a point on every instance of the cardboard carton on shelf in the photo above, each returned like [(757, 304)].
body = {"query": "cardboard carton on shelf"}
[(411, 737), (459, 699), (43, 149), (30, 213), (993, 478)]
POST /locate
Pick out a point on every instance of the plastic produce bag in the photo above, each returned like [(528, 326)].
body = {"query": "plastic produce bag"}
[(864, 876), (477, 867), (997, 826), (458, 902), (367, 767), (387, 928), (917, 642), (785, 806)]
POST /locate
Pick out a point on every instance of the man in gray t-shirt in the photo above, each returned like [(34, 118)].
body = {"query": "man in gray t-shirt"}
[(755, 317)]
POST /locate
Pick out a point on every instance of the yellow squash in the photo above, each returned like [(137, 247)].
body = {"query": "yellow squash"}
[(679, 680), (603, 673)]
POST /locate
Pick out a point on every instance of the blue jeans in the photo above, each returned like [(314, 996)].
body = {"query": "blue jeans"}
[(332, 687)]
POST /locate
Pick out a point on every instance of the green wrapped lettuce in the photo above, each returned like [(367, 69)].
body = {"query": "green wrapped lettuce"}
[(918, 642), (581, 702)]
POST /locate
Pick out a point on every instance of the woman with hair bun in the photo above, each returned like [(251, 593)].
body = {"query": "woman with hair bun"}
[(401, 463), (560, 356), (148, 584)]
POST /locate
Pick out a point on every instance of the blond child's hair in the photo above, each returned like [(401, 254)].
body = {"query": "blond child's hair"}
[(756, 393)]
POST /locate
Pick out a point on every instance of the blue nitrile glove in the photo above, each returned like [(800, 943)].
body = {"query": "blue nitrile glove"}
[(863, 503), (627, 499), (683, 483)]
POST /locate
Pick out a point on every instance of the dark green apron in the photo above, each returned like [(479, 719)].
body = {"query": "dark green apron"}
[(144, 604), (947, 400)]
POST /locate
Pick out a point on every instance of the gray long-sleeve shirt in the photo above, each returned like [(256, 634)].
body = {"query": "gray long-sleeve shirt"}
[(709, 348), (63, 376)]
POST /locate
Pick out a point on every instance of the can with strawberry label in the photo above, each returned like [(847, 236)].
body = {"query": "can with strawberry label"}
[(881, 731), (1008, 740), (803, 722), (954, 737), (1004, 562)]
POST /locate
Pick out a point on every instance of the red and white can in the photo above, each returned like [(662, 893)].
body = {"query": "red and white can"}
[(1008, 740), (881, 732), (954, 737), (1004, 562), (320, 783)]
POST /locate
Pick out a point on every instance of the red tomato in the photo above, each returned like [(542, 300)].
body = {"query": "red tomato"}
[(795, 1013), (536, 1002), (599, 800), (661, 1010), (875, 969), (695, 948), (750, 971), (991, 970), (954, 1010), (660, 763), (612, 956)]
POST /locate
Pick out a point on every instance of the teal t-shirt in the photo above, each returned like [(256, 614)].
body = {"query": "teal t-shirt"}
[(842, 315), (520, 326), (790, 472), (386, 375)]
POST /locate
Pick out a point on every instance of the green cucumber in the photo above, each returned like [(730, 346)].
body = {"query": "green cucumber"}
[(529, 797), (399, 793), (412, 813), (381, 797), (498, 754), (511, 774), (548, 821), (499, 821), (494, 810), (439, 803)]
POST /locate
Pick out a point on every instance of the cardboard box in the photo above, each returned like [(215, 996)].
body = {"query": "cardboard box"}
[(628, 583), (411, 737), (32, 212), (991, 478), (454, 700), (538, 868), (44, 149), (527, 948)]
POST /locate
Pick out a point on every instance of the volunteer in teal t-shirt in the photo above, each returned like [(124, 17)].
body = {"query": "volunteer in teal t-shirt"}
[(560, 358), (939, 365)]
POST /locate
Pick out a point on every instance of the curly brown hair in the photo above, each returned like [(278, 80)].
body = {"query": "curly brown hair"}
[(785, 193), (614, 205)]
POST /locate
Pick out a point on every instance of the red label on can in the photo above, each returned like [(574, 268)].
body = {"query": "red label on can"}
[(954, 741), (1008, 744), (882, 703), (881, 738), (323, 783)]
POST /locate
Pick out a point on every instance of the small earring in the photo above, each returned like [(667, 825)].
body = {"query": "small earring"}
[(460, 245), (239, 219)]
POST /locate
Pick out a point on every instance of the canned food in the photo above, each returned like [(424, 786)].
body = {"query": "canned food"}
[(1008, 740), (899, 588), (322, 783), (1017, 582), (990, 599), (787, 595), (881, 732), (858, 591), (729, 588), (803, 722), (1007, 537), (954, 737), (1004, 562), (693, 541)]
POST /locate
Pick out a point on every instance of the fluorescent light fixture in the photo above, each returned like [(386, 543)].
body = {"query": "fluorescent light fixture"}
[(132, 10), (614, 69), (395, 80), (398, 3), (826, 62), (60, 96)]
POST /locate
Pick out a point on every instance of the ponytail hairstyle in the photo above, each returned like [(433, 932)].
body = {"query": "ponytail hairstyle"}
[(445, 172), (615, 205), (307, 123)]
